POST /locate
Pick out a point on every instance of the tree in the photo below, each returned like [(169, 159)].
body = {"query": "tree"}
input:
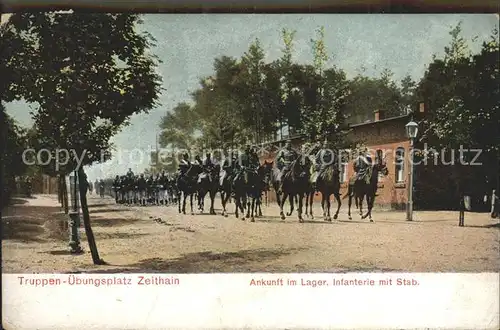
[(14, 142), (325, 98), (88, 73), (461, 90)]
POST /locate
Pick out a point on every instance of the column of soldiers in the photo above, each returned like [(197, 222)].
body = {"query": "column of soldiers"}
[(160, 189), (144, 189)]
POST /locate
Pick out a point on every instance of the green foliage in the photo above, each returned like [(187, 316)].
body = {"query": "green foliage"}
[(88, 73), (461, 93), (14, 142)]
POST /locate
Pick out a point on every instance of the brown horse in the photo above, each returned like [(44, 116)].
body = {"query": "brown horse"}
[(328, 184), (295, 184), (359, 189)]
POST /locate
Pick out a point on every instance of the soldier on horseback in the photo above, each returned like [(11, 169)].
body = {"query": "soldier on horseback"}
[(208, 162), (184, 164), (363, 166), (285, 158), (198, 161), (249, 161), (323, 158)]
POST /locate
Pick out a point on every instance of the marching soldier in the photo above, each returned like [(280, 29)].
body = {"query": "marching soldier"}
[(116, 187)]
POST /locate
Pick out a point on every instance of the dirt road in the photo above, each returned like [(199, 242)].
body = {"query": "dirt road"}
[(131, 240)]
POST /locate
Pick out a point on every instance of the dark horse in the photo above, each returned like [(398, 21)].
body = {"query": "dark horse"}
[(226, 184), (328, 184), (208, 183), (186, 186), (359, 189), (295, 183), (264, 172), (246, 188), (309, 195)]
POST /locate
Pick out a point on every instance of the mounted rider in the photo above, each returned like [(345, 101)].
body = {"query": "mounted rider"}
[(249, 161), (207, 165), (363, 166), (198, 161), (184, 164), (228, 165), (324, 157), (285, 158)]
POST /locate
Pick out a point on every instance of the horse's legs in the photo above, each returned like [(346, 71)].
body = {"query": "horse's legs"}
[(222, 201), (349, 203), (282, 202), (191, 202), (292, 199), (212, 201), (300, 196), (237, 206), (328, 206), (249, 204), (360, 202), (370, 198), (310, 200), (243, 204), (254, 204), (339, 203), (184, 200), (323, 202)]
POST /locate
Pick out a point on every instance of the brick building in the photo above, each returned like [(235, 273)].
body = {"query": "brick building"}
[(387, 135)]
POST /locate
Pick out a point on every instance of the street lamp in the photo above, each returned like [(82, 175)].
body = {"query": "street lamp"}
[(411, 131)]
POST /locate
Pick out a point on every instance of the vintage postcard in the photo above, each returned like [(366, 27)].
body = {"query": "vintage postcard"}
[(223, 170)]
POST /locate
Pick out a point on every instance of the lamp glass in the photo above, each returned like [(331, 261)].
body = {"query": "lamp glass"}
[(412, 129)]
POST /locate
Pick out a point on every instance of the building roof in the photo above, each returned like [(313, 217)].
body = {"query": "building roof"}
[(380, 121)]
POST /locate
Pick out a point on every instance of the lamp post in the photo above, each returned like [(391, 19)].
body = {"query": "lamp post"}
[(411, 131)]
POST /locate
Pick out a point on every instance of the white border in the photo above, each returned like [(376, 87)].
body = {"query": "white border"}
[(455, 301)]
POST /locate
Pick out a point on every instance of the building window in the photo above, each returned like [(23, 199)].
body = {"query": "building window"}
[(343, 172), (399, 164), (378, 157)]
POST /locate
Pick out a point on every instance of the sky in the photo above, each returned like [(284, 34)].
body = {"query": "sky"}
[(188, 44)]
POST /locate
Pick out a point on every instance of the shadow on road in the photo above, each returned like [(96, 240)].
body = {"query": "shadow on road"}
[(118, 235), (204, 262), (18, 201), (109, 211), (101, 205), (493, 225), (111, 222), (33, 223)]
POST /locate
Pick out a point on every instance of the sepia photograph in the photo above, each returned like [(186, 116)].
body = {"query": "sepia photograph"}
[(170, 144)]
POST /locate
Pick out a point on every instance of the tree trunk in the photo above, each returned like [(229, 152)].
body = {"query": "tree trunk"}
[(65, 195), (59, 190), (83, 186)]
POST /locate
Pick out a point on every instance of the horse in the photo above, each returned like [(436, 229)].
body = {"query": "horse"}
[(264, 172), (208, 183), (294, 183), (359, 189), (186, 186), (328, 183), (245, 186), (309, 196), (225, 185)]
